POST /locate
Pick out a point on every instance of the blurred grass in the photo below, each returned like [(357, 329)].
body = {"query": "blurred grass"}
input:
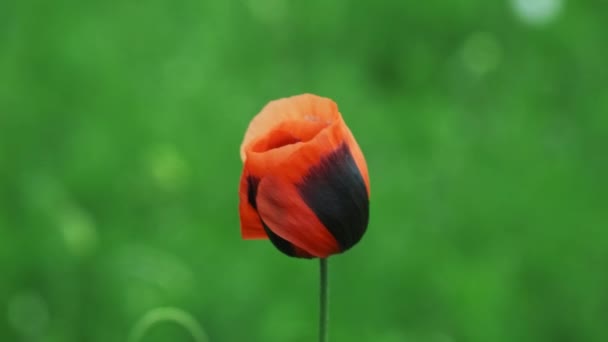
[(485, 132)]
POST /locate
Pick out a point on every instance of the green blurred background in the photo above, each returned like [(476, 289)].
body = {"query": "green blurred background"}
[(484, 123)]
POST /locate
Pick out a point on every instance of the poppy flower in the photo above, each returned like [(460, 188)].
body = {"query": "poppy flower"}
[(305, 183)]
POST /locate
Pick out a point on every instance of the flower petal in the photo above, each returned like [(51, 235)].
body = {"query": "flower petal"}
[(336, 192), (285, 246), (318, 198), (289, 218), (304, 108), (358, 157), (251, 225)]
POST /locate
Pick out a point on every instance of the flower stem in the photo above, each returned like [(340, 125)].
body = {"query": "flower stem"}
[(323, 312)]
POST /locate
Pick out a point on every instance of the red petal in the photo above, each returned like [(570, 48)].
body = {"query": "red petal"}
[(355, 150), (251, 225), (284, 212), (279, 202), (303, 108)]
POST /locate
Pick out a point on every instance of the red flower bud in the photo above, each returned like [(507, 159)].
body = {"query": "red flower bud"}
[(305, 184)]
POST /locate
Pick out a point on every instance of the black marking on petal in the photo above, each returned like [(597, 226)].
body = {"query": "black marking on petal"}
[(281, 244), (335, 191), (252, 190)]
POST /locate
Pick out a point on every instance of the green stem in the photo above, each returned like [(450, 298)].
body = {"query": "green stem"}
[(323, 312)]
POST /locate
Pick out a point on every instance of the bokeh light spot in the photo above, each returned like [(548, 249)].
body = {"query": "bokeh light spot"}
[(79, 232), (481, 53), (537, 12), (28, 314), (167, 167)]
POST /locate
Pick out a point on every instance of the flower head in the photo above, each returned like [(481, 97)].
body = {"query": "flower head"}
[(305, 184)]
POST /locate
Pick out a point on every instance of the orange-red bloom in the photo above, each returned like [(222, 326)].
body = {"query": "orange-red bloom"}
[(305, 184)]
